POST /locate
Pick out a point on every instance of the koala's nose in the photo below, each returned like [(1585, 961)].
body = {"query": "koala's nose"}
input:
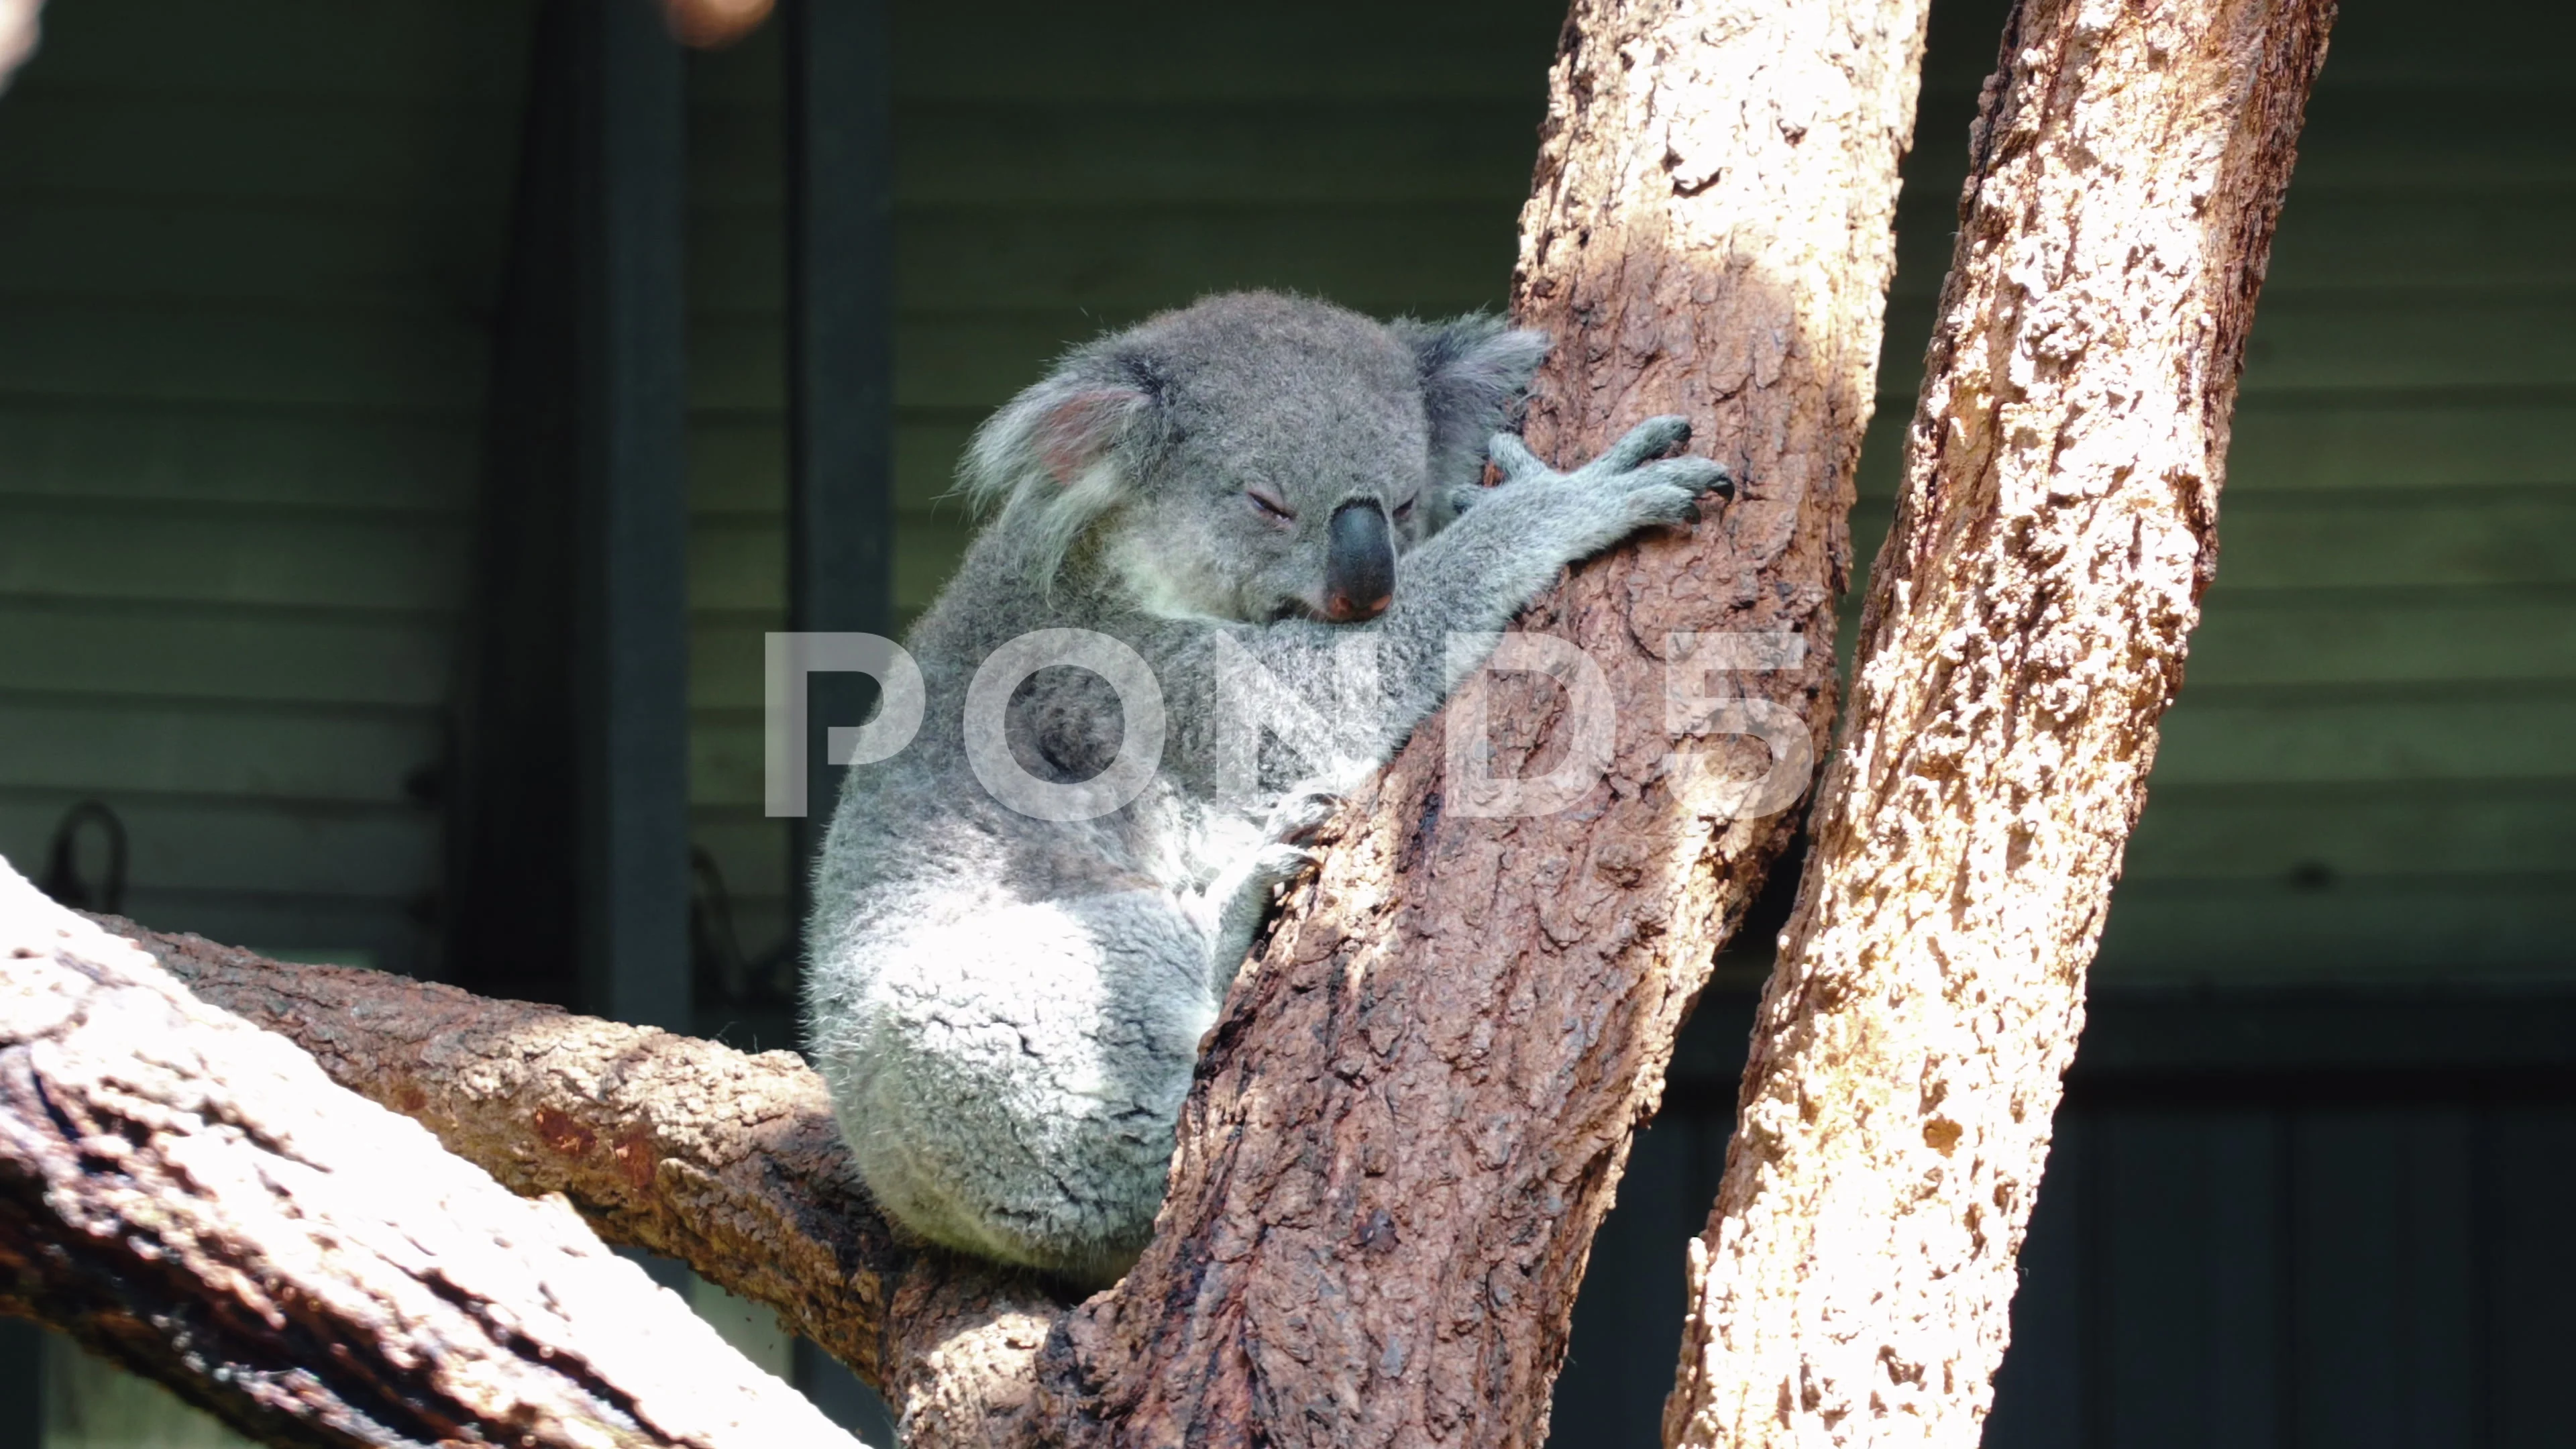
[(1359, 564)]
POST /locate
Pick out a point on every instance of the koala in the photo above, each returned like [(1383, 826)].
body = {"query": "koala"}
[(1007, 1006)]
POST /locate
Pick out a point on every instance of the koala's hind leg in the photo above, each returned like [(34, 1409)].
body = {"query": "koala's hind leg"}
[(1009, 1080)]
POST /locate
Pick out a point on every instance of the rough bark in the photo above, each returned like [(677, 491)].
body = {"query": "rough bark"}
[(2024, 632), (188, 1196), (688, 1148), (1416, 1106)]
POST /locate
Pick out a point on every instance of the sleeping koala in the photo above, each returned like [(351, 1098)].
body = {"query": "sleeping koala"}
[(1020, 935)]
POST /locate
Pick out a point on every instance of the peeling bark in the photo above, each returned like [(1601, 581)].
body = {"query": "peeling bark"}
[(2024, 633), (1414, 1111), (688, 1148), (189, 1196)]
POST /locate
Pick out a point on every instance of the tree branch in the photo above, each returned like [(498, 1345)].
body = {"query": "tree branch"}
[(726, 1161), (2025, 632), (187, 1195), (1412, 1115)]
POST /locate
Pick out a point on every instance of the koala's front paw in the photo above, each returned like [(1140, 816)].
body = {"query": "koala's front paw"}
[(1632, 485), (1642, 460), (1669, 491), (1658, 437)]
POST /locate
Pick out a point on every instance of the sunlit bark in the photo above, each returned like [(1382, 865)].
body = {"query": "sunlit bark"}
[(2024, 634), (190, 1197)]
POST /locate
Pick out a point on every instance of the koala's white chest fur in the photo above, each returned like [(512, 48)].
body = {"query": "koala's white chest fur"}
[(1205, 839)]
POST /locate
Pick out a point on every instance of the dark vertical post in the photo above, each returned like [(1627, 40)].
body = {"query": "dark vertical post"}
[(633, 642), (511, 919), (567, 808), (840, 375)]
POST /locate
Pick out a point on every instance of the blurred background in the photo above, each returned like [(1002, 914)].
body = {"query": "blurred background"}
[(414, 412)]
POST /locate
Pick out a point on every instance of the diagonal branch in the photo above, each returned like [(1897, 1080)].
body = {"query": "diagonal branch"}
[(2024, 634), (188, 1196)]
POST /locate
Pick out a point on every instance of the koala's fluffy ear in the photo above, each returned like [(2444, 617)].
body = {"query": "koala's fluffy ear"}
[(1047, 438), (1051, 459), (1474, 370)]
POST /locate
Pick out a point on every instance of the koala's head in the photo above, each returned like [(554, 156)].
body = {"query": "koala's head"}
[(1253, 456)]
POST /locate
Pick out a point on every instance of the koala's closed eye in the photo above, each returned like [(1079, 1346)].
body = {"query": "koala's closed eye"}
[(1269, 507)]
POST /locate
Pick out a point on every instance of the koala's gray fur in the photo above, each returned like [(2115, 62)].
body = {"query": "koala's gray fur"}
[(1008, 1009)]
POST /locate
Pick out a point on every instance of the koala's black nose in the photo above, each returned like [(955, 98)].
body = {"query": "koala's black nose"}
[(1359, 564)]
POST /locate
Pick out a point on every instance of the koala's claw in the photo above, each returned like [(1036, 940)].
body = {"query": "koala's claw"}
[(1639, 460), (1234, 906), (1513, 459), (1299, 814), (1648, 440), (1664, 504), (1278, 865), (1667, 492), (1696, 475)]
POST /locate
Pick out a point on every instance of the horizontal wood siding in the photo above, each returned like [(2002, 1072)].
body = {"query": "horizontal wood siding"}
[(245, 279), (247, 292), (2366, 777)]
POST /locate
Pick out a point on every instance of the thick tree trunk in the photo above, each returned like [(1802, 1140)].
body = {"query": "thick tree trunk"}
[(189, 1196), (2024, 633), (1413, 1114)]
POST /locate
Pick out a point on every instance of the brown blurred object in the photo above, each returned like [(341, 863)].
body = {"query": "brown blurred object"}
[(705, 24), (18, 34)]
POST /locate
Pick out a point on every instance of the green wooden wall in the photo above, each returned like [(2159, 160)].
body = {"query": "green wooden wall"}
[(250, 252), (247, 254), (2367, 776)]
